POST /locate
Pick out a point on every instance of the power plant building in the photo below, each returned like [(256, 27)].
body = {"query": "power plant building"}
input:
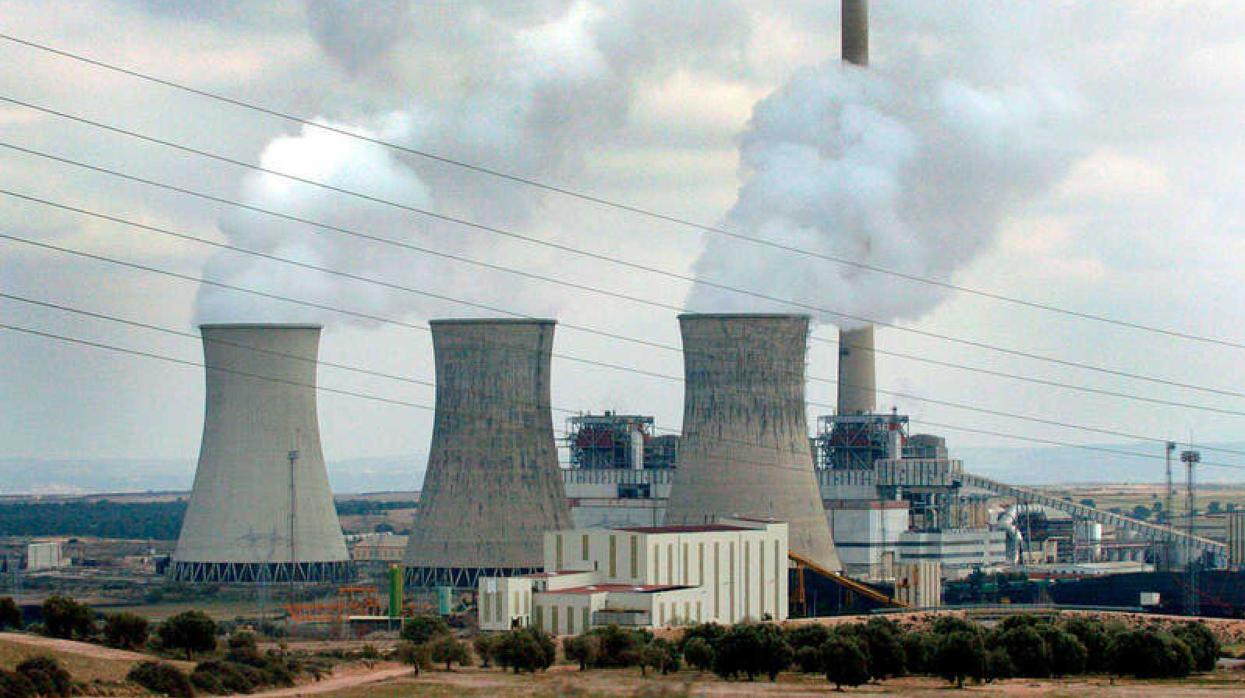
[(492, 487), (724, 571), (261, 510), (744, 449)]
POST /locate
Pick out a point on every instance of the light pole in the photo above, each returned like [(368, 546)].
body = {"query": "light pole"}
[(1191, 459)]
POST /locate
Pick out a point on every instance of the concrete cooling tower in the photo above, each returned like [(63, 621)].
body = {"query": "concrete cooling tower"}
[(857, 375), (261, 509), (745, 448), (492, 487)]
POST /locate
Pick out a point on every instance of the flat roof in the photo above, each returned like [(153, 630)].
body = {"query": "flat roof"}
[(690, 528), (493, 321), (260, 326), (732, 316), (632, 588)]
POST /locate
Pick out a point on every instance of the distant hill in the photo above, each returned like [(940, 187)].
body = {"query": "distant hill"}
[(87, 476), (1063, 465), (1019, 466)]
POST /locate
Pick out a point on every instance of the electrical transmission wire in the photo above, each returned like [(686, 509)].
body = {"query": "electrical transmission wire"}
[(633, 265), (466, 260), (621, 206), (956, 405), (392, 401)]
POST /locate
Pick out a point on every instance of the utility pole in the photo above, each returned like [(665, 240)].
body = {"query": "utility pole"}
[(1169, 547), (293, 456), (1191, 459)]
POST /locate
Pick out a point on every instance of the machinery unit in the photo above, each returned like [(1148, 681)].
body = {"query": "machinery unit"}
[(855, 441), (261, 510), (618, 441), (492, 487), (744, 450)]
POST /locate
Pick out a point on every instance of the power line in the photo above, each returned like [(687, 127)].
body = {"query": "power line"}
[(351, 393), (566, 248), (629, 208), (956, 405), (467, 260)]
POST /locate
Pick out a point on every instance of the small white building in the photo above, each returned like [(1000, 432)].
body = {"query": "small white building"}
[(46, 555), (646, 576)]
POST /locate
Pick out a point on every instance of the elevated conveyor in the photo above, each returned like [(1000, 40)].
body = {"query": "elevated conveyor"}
[(1148, 531)]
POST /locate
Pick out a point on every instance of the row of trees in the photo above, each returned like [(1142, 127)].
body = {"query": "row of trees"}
[(953, 648)]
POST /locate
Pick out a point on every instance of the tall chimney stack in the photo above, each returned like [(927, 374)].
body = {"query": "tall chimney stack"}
[(857, 376)]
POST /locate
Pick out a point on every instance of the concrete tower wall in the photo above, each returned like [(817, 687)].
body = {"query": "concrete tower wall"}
[(492, 486), (260, 407), (745, 434), (857, 375)]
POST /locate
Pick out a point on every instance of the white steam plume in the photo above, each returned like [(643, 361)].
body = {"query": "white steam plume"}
[(547, 92), (909, 173)]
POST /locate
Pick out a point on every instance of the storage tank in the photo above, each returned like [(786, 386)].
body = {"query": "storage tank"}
[(261, 509), (744, 449), (492, 487)]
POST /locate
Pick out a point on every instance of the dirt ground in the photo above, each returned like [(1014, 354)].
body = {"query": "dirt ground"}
[(567, 681)]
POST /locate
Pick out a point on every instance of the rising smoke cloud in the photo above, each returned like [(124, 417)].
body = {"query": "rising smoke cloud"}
[(913, 173), (551, 86)]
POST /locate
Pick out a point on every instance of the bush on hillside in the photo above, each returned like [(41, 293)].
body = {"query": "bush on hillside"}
[(527, 649), (961, 655), (662, 655), (448, 651), (919, 649), (1148, 653), (47, 675), (10, 614), (749, 649), (584, 650), (1202, 643), (485, 646), (125, 631), (161, 678), (14, 685), (189, 631), (65, 618), (699, 653)]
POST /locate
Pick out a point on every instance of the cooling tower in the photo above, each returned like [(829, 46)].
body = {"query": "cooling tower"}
[(261, 509), (745, 447), (857, 378), (492, 487)]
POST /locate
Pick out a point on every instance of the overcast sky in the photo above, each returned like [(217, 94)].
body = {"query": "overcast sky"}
[(1110, 133)]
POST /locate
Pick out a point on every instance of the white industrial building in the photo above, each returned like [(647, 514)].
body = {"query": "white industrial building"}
[(46, 555), (646, 576)]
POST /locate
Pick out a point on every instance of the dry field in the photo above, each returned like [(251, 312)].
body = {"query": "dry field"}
[(85, 661), (626, 683)]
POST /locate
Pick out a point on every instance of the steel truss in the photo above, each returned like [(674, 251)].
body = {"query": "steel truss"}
[(260, 572)]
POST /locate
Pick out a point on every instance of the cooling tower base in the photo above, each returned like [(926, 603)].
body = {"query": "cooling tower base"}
[(260, 572), (459, 577)]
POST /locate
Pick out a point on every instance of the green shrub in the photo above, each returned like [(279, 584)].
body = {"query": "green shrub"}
[(161, 678), (418, 657), (485, 646), (621, 647), (10, 614), (65, 618), (919, 649), (807, 635), (884, 649), (808, 660), (14, 685), (208, 682), (999, 664), (710, 632), (47, 675), (844, 660), (527, 649), (1027, 649), (961, 655), (662, 655), (946, 625), (1068, 656), (1094, 636), (584, 650), (699, 653), (1149, 653), (446, 650), (421, 629), (1202, 643), (126, 631), (189, 631), (749, 649)]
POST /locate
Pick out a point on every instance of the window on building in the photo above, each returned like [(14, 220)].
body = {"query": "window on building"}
[(613, 556), (538, 616), (487, 605), (587, 618), (570, 620), (635, 549), (558, 552), (685, 563), (717, 581), (585, 547), (747, 578), (670, 563), (553, 619)]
